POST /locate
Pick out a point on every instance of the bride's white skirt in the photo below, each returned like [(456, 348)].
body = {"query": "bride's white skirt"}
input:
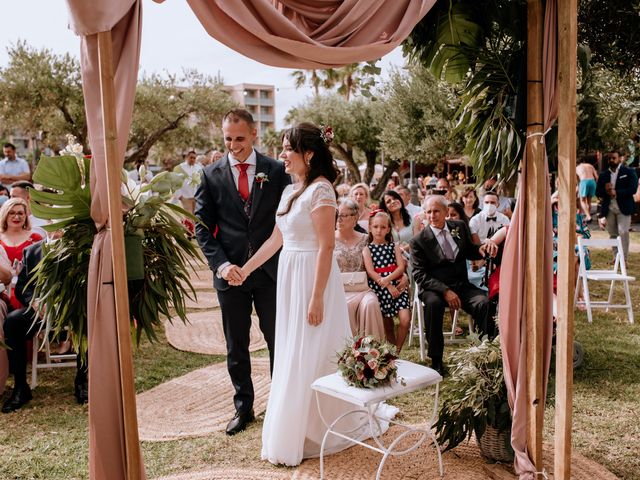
[(293, 429)]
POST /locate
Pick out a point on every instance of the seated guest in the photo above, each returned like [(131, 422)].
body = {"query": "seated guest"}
[(443, 187), (21, 190), (385, 266), (439, 255), (470, 201), (5, 281), (360, 194), (22, 324), (475, 269), (392, 204), (343, 190), (4, 194), (405, 193), (16, 234), (365, 316), (489, 220)]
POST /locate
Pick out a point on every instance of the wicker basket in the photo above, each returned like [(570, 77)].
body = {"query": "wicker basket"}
[(495, 445)]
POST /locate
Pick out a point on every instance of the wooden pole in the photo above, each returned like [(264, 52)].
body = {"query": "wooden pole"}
[(113, 167), (535, 223), (566, 92)]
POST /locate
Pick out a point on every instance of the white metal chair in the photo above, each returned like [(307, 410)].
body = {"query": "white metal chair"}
[(51, 360), (616, 274), (417, 323)]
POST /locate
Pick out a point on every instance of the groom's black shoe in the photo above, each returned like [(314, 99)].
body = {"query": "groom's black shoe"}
[(240, 421)]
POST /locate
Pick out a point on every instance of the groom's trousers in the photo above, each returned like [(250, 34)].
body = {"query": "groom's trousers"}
[(237, 305)]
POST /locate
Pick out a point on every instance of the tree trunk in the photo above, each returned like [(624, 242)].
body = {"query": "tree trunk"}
[(371, 166), (392, 167), (347, 156), (142, 151)]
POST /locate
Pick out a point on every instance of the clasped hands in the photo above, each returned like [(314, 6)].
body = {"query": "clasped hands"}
[(488, 248), (234, 274)]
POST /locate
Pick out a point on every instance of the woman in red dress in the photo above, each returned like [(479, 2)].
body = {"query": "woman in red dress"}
[(16, 234)]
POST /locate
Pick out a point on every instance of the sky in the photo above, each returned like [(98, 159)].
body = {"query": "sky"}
[(172, 39)]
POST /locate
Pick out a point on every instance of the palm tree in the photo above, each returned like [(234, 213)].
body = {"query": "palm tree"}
[(349, 79), (302, 77)]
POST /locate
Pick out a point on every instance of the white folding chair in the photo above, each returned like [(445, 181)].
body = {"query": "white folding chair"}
[(51, 360), (416, 326), (616, 274)]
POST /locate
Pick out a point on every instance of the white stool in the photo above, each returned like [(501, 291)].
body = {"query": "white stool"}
[(366, 400)]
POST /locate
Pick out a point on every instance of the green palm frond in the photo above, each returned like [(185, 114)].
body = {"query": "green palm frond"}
[(68, 199)]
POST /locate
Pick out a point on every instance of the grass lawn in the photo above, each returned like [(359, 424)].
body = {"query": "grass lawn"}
[(48, 438)]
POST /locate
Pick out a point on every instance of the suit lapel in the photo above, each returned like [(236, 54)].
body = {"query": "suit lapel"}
[(230, 185), (432, 244), (257, 189)]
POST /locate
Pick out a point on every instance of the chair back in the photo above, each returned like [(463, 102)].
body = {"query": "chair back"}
[(619, 264)]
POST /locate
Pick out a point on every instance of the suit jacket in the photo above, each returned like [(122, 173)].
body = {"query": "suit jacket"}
[(220, 208), (31, 256), (431, 270), (626, 186)]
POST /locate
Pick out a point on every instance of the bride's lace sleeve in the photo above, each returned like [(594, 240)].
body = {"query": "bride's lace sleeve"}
[(323, 196)]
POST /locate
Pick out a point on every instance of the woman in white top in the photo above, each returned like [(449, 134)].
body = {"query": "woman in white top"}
[(360, 194)]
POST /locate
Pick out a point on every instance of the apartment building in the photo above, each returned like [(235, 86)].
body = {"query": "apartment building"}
[(259, 100)]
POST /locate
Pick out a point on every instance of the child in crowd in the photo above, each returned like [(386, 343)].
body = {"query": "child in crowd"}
[(384, 264)]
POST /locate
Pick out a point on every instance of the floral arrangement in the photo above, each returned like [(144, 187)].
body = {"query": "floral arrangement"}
[(160, 257), (326, 133), (366, 362)]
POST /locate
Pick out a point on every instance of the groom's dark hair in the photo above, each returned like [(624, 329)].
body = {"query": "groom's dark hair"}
[(239, 114)]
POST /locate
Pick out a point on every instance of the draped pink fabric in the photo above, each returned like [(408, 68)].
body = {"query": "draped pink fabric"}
[(512, 277), (286, 33), (310, 33), (106, 420)]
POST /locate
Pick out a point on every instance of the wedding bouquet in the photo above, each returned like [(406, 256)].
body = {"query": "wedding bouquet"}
[(366, 362)]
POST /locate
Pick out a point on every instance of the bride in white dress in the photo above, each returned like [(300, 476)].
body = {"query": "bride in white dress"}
[(312, 322)]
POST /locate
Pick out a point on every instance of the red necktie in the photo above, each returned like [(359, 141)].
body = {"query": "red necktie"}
[(243, 181)]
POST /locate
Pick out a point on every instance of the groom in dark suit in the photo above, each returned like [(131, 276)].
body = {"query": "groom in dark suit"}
[(236, 203), (438, 256)]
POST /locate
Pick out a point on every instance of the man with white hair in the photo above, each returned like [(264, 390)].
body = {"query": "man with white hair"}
[(438, 256)]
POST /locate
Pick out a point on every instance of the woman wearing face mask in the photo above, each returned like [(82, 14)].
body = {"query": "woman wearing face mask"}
[(489, 220)]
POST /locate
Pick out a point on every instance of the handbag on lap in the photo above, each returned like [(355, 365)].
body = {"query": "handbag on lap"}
[(355, 281)]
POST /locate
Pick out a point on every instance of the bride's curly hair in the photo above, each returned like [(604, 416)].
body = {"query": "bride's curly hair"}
[(307, 137)]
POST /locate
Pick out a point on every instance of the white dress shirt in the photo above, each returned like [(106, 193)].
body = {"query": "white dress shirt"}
[(251, 171), (485, 228)]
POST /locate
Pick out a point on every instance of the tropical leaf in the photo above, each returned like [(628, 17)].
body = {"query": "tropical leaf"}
[(69, 195), (61, 277)]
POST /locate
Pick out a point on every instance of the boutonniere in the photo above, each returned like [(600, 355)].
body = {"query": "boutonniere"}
[(455, 233), (261, 178)]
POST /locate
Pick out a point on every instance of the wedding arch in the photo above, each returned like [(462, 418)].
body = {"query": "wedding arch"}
[(322, 34)]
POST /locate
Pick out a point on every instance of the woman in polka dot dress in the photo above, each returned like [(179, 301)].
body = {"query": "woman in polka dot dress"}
[(385, 264)]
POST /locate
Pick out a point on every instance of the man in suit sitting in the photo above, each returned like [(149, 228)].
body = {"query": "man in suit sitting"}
[(22, 324), (438, 256), (615, 188)]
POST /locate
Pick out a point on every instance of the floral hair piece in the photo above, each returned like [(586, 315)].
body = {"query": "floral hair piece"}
[(326, 133)]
